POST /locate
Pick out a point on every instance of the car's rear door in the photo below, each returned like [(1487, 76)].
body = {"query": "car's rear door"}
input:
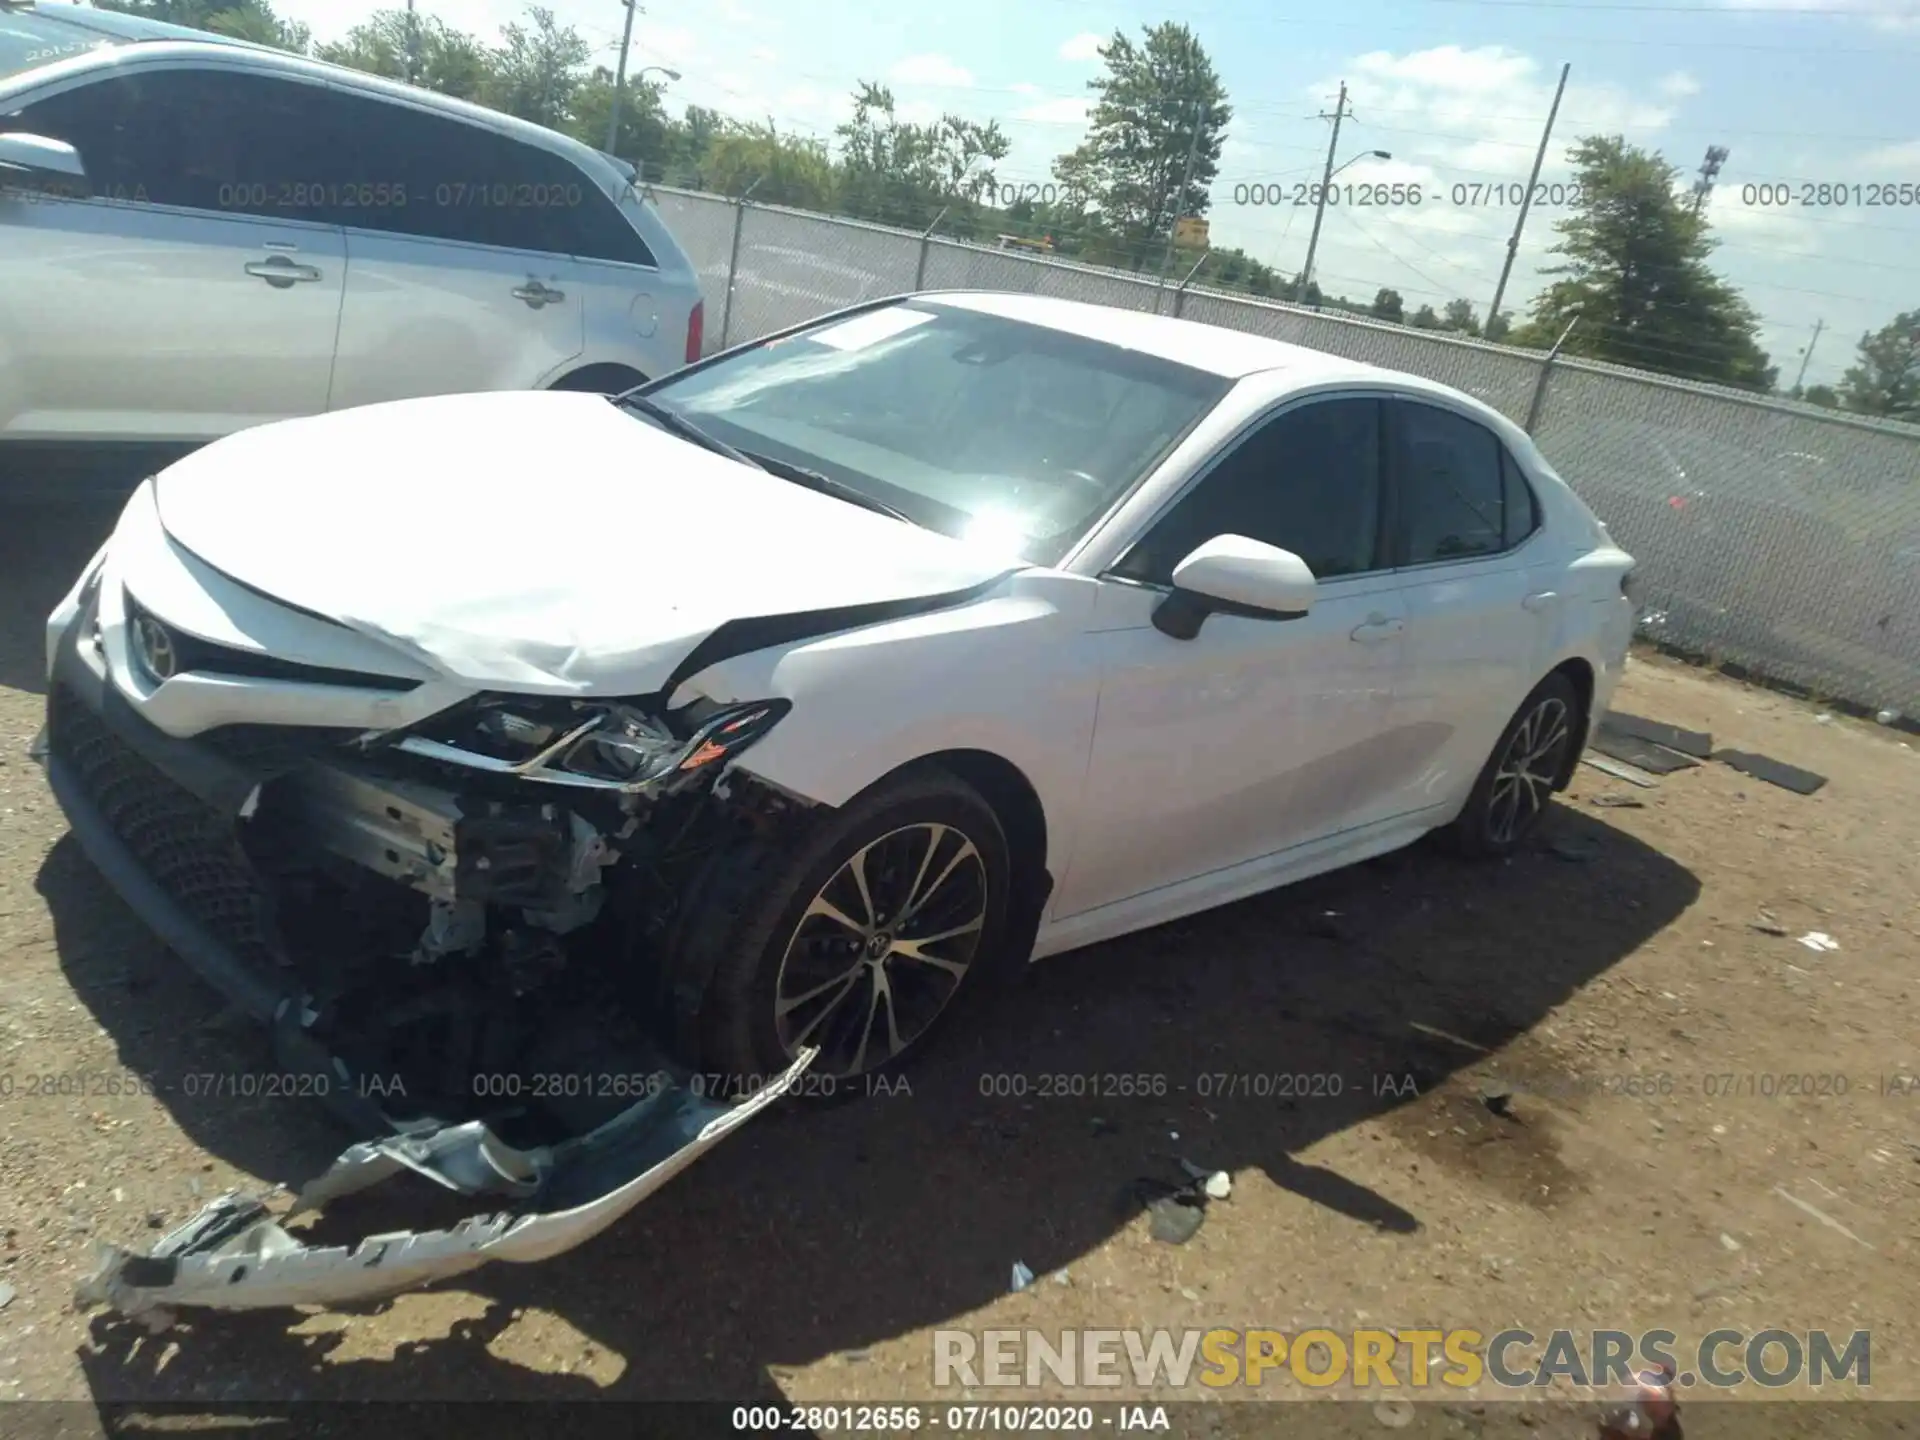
[(1478, 582), (188, 295), (458, 279)]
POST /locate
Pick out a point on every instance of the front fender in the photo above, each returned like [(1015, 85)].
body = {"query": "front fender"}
[(1007, 674)]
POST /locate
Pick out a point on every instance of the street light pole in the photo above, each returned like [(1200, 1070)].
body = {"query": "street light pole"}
[(1526, 200), (1180, 200), (413, 46), (1326, 179), (620, 80)]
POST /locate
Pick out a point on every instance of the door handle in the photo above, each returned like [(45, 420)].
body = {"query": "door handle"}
[(1540, 600), (281, 273), (1378, 628), (536, 295)]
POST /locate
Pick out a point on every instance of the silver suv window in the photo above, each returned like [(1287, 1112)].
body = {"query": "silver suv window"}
[(240, 143), (28, 41)]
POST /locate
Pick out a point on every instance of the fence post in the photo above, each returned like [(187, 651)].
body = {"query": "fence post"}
[(1546, 369), (1180, 294), (926, 243), (733, 260)]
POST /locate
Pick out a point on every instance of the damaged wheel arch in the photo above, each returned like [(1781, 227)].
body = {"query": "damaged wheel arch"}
[(744, 911)]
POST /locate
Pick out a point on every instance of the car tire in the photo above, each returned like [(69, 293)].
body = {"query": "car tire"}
[(1510, 797), (600, 380), (764, 927)]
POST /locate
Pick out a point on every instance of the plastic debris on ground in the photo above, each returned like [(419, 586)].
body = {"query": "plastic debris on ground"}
[(1819, 940), (1022, 1276)]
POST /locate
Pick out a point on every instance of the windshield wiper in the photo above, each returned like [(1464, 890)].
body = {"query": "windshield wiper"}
[(826, 485), (673, 421)]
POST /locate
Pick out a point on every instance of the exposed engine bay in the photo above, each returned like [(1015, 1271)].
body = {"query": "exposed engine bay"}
[(468, 923), (476, 908)]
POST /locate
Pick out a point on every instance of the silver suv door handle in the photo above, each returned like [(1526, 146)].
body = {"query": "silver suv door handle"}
[(280, 272), (1377, 628), (536, 295)]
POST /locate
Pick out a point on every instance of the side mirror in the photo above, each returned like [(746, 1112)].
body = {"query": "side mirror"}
[(1232, 575), (37, 162)]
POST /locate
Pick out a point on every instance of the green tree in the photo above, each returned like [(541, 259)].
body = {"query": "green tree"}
[(1387, 305), (1500, 327), (1459, 316), (442, 58), (901, 173), (1635, 273), (1158, 101), (643, 133), (1821, 395), (240, 19), (1425, 319), (537, 69), (1885, 380), (685, 144), (780, 169)]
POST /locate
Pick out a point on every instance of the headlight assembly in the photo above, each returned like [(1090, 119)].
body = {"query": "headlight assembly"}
[(598, 745)]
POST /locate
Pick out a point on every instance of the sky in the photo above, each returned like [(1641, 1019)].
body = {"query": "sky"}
[(1802, 93)]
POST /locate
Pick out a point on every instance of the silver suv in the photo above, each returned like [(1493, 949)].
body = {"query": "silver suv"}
[(199, 235)]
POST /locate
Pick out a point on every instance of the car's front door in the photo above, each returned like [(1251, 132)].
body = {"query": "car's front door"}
[(187, 295), (1482, 601), (1256, 735)]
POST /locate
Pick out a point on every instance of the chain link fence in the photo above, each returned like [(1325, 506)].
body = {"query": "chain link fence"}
[(1774, 536)]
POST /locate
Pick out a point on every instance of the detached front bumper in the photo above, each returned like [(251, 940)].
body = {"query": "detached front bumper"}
[(159, 817)]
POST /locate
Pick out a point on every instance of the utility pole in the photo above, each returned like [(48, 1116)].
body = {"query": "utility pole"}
[(1326, 180), (1526, 200), (1709, 172), (1807, 354), (413, 46), (1180, 200), (620, 80)]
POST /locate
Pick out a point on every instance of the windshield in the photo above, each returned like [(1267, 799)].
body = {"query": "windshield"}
[(28, 40), (976, 426)]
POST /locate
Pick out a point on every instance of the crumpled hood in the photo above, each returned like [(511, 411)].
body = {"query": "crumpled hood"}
[(539, 541)]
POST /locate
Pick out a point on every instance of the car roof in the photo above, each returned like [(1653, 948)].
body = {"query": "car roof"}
[(180, 40), (1233, 354)]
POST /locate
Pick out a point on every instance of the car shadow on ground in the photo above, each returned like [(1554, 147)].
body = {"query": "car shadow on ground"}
[(42, 548), (819, 1232)]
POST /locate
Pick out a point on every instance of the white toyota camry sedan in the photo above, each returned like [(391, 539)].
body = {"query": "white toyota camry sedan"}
[(588, 772)]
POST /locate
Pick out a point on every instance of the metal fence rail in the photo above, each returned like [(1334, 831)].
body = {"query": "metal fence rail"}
[(1773, 535)]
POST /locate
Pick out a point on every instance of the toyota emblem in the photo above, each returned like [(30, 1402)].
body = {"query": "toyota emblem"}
[(155, 646)]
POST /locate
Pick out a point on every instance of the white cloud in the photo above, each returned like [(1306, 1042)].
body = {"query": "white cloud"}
[(1062, 110), (673, 44), (1901, 159), (1881, 14), (762, 55), (1462, 124), (1084, 46), (1026, 87), (936, 71), (1471, 113)]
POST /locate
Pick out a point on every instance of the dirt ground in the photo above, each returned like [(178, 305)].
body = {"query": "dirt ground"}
[(812, 1256)]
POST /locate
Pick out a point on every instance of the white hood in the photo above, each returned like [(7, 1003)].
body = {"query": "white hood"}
[(536, 541)]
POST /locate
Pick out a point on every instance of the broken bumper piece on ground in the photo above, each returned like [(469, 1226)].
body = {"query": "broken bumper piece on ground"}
[(233, 1255)]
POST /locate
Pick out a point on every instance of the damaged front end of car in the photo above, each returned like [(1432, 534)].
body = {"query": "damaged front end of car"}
[(456, 932)]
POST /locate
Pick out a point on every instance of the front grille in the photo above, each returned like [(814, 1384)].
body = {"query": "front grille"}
[(182, 843), (203, 657), (272, 748)]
